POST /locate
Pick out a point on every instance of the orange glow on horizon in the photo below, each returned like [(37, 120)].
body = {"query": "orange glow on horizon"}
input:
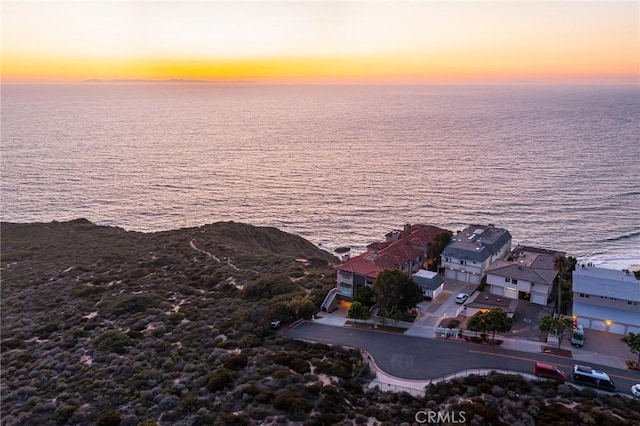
[(338, 41), (352, 69)]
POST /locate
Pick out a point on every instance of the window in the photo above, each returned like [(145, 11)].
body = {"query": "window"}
[(632, 303), (586, 296), (462, 262), (514, 281), (345, 289), (507, 280)]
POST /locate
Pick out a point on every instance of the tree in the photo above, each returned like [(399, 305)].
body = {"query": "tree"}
[(302, 306), (556, 325), (560, 264), (436, 247), (358, 311), (633, 341), (497, 320), (564, 265), (364, 294), (477, 323), (394, 290)]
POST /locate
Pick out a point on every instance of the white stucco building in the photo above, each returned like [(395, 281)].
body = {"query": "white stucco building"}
[(606, 299), (472, 250), (527, 274)]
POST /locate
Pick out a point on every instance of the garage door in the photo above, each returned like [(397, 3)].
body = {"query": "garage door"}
[(617, 329), (634, 330), (474, 279), (511, 293), (496, 289), (462, 276), (437, 291), (584, 322), (540, 299), (450, 274), (598, 325)]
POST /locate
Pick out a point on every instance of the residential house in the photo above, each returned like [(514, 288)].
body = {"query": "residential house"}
[(430, 282), (528, 274), (606, 299), (470, 252), (481, 301), (406, 250)]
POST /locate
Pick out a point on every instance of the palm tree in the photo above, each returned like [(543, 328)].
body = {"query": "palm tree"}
[(560, 264)]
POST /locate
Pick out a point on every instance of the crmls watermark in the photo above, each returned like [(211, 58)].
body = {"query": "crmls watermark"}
[(437, 417)]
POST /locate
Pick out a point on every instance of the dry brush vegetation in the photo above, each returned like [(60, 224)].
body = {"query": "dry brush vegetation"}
[(104, 326)]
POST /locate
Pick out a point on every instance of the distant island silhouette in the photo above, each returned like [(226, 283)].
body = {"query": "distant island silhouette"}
[(172, 80)]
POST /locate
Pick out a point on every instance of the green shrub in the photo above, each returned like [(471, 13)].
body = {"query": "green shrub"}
[(280, 374), (588, 393), (62, 415), (135, 334), (109, 418), (264, 396), (46, 331), (131, 305), (219, 379), (174, 318), (233, 419), (454, 323), (249, 389), (227, 344), (10, 344), (112, 341), (484, 388), (249, 341), (236, 362), (286, 400), (268, 286), (91, 290)]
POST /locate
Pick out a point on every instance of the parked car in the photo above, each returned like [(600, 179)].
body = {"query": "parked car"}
[(461, 298), (635, 390), (275, 324), (549, 371)]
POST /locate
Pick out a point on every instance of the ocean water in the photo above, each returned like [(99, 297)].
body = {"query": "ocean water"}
[(338, 165)]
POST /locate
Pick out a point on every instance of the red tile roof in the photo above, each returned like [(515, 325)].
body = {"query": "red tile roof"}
[(388, 255)]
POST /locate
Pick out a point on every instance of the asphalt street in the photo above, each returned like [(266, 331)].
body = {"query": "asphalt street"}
[(419, 358)]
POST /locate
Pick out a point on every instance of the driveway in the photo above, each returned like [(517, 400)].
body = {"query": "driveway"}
[(444, 306), (526, 321)]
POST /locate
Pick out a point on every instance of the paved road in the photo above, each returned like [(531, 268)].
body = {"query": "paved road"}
[(419, 358)]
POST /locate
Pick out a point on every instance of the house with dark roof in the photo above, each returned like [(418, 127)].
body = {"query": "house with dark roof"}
[(430, 282), (470, 252), (527, 274), (406, 250), (606, 299), (482, 301)]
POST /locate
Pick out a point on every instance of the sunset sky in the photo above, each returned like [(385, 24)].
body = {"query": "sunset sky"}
[(321, 41)]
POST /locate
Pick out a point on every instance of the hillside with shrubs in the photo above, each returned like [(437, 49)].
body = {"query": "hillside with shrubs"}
[(102, 326)]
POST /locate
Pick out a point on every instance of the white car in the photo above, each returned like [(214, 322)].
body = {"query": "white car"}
[(635, 390), (461, 298)]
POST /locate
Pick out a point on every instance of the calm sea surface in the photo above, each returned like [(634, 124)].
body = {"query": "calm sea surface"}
[(339, 165)]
